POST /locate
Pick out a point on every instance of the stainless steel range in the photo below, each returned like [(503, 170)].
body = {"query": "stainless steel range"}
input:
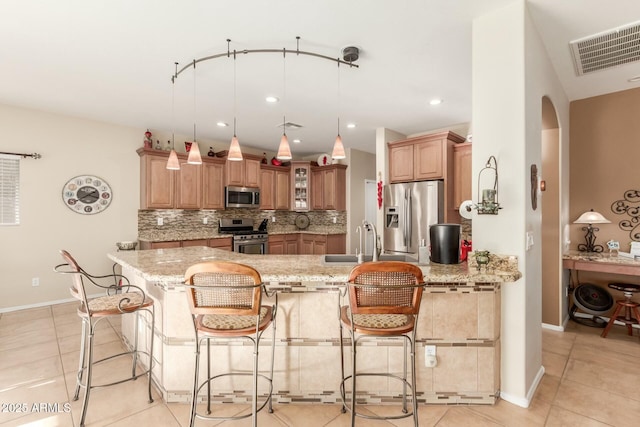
[(246, 240)]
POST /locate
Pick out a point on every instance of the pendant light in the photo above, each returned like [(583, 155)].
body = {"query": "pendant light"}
[(338, 148), (284, 150), (172, 163), (194, 153), (235, 154)]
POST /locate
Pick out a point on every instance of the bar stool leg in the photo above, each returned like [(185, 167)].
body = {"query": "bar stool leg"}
[(87, 391), (254, 397), (404, 376), (194, 397), (273, 354), (353, 378), (135, 345), (342, 389), (612, 320), (153, 328), (413, 380), (208, 376), (81, 363)]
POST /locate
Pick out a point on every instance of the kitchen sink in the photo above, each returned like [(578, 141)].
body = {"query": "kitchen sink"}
[(349, 259)]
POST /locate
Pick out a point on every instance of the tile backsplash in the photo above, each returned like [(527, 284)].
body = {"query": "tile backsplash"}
[(179, 222)]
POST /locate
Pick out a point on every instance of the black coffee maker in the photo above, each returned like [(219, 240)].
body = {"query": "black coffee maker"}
[(445, 243)]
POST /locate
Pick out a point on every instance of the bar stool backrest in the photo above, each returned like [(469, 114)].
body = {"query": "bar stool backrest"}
[(386, 287), (77, 288), (223, 287)]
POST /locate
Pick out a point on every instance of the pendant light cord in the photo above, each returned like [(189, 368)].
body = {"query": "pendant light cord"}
[(338, 103), (284, 91), (235, 99), (173, 106), (194, 101)]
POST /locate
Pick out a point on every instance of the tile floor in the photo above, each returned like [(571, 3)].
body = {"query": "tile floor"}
[(589, 381)]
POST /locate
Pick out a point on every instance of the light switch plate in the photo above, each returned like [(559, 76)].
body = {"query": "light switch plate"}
[(529, 240)]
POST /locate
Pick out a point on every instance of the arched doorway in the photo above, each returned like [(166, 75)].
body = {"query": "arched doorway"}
[(552, 297)]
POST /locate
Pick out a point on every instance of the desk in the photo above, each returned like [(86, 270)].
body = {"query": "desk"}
[(600, 263)]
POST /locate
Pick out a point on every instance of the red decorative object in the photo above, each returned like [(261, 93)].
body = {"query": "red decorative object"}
[(379, 191), (187, 146)]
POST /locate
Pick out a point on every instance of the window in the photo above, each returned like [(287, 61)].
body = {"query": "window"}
[(9, 190)]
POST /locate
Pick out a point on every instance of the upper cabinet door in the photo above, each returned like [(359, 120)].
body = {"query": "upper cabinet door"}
[(427, 160), (213, 185), (189, 186), (157, 186), (401, 163), (252, 173)]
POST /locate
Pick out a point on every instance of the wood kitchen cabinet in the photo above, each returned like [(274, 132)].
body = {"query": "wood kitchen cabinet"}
[(225, 243), (300, 186), (336, 244), (157, 183), (188, 186), (328, 187), (191, 187), (283, 244), (213, 184), (462, 179), (274, 187), (427, 157), (218, 243), (245, 173)]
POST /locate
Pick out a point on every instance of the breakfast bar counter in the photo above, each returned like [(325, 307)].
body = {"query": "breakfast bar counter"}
[(460, 316)]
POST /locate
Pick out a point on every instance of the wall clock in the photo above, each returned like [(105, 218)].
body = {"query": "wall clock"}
[(87, 194)]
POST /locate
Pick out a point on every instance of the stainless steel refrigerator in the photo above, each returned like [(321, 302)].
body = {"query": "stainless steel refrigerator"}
[(409, 209)]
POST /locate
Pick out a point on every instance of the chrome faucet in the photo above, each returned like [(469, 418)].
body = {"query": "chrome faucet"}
[(370, 227), (359, 251)]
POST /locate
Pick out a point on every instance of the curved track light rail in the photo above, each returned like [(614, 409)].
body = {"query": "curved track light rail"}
[(283, 51)]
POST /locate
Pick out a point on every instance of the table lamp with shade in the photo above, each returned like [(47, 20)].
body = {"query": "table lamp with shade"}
[(591, 217)]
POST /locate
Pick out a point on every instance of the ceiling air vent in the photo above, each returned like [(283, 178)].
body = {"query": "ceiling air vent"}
[(607, 49), (290, 126)]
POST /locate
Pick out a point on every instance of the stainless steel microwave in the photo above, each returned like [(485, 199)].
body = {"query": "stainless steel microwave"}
[(241, 197)]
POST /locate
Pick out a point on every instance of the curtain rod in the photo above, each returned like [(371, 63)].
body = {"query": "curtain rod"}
[(34, 155)]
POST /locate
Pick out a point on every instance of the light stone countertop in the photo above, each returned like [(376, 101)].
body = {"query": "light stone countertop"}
[(603, 257), (167, 267)]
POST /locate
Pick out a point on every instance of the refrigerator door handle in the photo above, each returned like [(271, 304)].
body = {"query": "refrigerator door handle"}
[(406, 217), (409, 222)]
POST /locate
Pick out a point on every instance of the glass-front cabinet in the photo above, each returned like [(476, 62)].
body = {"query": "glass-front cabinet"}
[(300, 180)]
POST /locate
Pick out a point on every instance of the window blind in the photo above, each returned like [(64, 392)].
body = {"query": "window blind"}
[(9, 190)]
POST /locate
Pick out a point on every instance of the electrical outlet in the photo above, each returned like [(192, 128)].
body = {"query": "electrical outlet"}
[(335, 220), (529, 237), (35, 281), (273, 219), (160, 221), (205, 220), (430, 359)]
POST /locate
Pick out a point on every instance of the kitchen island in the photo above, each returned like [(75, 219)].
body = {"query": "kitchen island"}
[(460, 316)]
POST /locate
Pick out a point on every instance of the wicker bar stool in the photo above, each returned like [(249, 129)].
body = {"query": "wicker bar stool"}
[(122, 298), (383, 301), (225, 299), (630, 308)]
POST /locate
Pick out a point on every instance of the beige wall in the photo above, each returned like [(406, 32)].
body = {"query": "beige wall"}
[(69, 147), (511, 75), (362, 166), (604, 160), (604, 164)]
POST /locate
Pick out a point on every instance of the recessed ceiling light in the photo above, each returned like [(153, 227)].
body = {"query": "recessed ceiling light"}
[(435, 101), (634, 79), (271, 99), (222, 124), (351, 125), (297, 141)]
